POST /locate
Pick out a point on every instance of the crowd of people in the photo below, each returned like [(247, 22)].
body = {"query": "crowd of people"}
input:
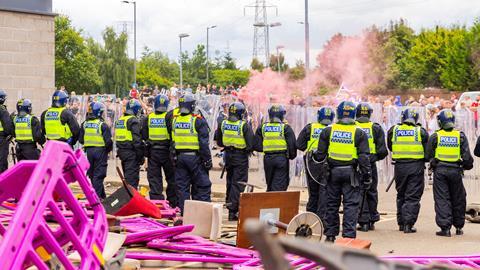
[(340, 155)]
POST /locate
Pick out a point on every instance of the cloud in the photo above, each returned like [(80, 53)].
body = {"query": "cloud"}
[(160, 21)]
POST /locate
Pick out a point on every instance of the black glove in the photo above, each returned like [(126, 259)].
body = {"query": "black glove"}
[(208, 164)]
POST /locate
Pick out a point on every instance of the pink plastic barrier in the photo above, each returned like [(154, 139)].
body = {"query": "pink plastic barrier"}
[(165, 209), (457, 261), (196, 244), (149, 235), (141, 224), (298, 263), (28, 239), (178, 257)]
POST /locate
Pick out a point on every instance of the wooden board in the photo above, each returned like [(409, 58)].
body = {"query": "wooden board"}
[(251, 203)]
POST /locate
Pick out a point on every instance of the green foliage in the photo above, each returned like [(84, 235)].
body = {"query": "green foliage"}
[(274, 61), (230, 76), (297, 72), (256, 64), (75, 67), (157, 69)]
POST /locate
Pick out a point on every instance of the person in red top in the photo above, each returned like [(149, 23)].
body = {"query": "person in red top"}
[(133, 93)]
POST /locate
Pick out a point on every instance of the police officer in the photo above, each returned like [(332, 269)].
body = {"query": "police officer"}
[(346, 147), (449, 155), (6, 131), (58, 123), (307, 141), (190, 135), (156, 130), (130, 147), (408, 142), (378, 151), (28, 132), (96, 137), (236, 137), (276, 140)]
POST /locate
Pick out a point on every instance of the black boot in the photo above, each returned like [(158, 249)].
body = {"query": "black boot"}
[(409, 229), (401, 228), (330, 239), (371, 226), (444, 232), (232, 216), (363, 227), (459, 231)]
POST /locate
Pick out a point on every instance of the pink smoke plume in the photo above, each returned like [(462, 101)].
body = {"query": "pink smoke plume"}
[(343, 60)]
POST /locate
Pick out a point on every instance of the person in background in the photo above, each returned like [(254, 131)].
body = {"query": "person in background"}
[(27, 132), (6, 131), (96, 138)]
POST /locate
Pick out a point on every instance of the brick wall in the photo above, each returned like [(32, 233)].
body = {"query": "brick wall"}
[(27, 52)]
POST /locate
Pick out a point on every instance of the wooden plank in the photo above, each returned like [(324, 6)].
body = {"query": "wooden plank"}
[(251, 203)]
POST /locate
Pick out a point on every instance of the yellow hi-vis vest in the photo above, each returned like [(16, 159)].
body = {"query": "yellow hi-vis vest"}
[(342, 142), (368, 129), (232, 134), (448, 145), (157, 127), (93, 133), (184, 133), (23, 128), (53, 125), (274, 137), (407, 142), (315, 130), (122, 134)]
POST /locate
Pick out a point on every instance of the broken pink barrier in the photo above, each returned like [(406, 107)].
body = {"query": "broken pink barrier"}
[(178, 257), (472, 261), (140, 224), (298, 263), (165, 209), (197, 244), (146, 236), (28, 239)]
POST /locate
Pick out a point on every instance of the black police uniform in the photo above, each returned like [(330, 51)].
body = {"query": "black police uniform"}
[(191, 173), (276, 165), (5, 137), (344, 182), (27, 150), (159, 157), (66, 118), (131, 153), (448, 190), (236, 162), (98, 157), (409, 182), (370, 213), (317, 193)]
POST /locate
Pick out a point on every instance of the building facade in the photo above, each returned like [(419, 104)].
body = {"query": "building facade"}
[(27, 52)]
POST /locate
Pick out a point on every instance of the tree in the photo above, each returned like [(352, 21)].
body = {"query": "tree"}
[(75, 67), (274, 62), (256, 64), (228, 62), (230, 77), (116, 68), (297, 72), (155, 68)]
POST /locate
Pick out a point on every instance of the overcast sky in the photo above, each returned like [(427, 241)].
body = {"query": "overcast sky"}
[(160, 21)]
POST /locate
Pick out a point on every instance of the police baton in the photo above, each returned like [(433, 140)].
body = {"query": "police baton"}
[(391, 181)]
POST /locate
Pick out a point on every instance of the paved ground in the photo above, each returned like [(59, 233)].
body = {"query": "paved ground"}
[(387, 240)]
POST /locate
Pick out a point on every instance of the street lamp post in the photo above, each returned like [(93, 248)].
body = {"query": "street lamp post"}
[(268, 26), (208, 28), (307, 39), (134, 39), (278, 56), (180, 59)]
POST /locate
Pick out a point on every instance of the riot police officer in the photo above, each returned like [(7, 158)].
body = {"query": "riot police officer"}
[(130, 147), (156, 130), (6, 131), (58, 123), (407, 141), (449, 155), (28, 132), (96, 137), (276, 140), (378, 151), (307, 141), (236, 137), (190, 135), (346, 148)]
